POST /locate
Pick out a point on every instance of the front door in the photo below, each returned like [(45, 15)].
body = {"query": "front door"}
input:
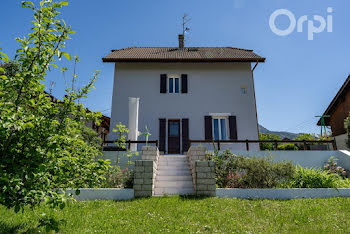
[(173, 136)]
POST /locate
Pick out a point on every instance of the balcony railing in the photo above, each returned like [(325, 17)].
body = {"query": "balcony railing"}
[(115, 148), (275, 143)]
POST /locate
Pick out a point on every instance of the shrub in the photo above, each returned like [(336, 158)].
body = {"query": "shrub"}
[(234, 171), (313, 178), (117, 178), (268, 137), (332, 167), (288, 146)]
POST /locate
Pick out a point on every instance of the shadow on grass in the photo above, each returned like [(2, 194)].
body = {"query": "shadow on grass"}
[(192, 197), (15, 228)]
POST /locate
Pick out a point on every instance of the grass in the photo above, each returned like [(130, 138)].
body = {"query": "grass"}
[(178, 215)]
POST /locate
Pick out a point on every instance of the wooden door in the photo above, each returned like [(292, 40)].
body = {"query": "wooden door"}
[(174, 136)]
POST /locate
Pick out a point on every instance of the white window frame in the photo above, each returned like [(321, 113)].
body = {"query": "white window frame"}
[(219, 126), (174, 77)]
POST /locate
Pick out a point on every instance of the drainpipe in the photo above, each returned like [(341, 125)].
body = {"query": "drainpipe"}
[(133, 123), (256, 111)]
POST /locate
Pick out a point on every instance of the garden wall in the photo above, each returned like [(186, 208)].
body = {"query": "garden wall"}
[(282, 193), (115, 194), (303, 158)]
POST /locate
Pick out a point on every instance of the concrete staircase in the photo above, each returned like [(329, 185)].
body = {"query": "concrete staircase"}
[(173, 176)]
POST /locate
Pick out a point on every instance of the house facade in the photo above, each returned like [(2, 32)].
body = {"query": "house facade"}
[(335, 114), (187, 93)]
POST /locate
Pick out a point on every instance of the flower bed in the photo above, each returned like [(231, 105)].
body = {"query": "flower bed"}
[(234, 171)]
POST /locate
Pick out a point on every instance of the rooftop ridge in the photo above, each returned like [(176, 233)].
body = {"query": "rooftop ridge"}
[(173, 47)]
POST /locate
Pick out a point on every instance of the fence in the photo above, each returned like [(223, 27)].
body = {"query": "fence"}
[(275, 142), (116, 148)]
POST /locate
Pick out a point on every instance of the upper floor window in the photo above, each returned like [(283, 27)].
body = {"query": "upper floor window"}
[(174, 85), (244, 89), (220, 130)]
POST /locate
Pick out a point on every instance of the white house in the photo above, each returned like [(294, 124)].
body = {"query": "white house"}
[(187, 93)]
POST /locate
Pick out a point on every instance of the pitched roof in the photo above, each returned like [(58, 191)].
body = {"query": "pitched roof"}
[(187, 54), (336, 101)]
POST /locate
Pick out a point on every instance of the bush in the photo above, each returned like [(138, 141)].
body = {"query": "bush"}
[(268, 137), (288, 146), (117, 178), (313, 178), (332, 167), (234, 171)]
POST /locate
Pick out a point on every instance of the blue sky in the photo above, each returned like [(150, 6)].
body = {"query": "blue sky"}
[(297, 82)]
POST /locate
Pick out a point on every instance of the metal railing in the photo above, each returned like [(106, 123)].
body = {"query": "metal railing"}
[(274, 142)]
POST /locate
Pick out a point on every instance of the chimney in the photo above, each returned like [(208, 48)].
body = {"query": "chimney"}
[(181, 41)]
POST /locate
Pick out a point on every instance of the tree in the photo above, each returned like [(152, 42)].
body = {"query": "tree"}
[(43, 144), (268, 137)]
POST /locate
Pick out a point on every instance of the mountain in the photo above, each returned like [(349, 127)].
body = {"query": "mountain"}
[(283, 135)]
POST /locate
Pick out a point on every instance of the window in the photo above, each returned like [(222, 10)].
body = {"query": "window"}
[(174, 85), (220, 128), (244, 89)]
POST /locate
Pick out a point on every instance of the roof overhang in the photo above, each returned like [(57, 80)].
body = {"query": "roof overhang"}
[(339, 97), (223, 60)]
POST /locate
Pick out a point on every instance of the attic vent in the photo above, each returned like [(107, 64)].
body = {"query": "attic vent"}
[(193, 49)]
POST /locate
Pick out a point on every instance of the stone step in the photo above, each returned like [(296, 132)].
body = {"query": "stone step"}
[(173, 172), (172, 168), (172, 157), (173, 191), (174, 178), (173, 163), (173, 184)]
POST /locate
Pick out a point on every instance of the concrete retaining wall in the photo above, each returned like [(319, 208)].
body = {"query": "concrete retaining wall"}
[(282, 193), (114, 194)]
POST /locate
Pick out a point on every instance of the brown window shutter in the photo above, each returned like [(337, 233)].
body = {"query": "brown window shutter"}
[(163, 78), (184, 86), (162, 123), (233, 127), (208, 127), (185, 135)]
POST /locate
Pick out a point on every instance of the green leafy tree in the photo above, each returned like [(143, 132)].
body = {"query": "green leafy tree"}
[(306, 136), (43, 146), (268, 137)]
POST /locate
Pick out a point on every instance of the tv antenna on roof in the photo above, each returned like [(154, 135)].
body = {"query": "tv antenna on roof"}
[(185, 20), (323, 123)]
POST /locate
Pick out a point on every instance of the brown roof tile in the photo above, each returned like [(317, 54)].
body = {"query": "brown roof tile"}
[(187, 54)]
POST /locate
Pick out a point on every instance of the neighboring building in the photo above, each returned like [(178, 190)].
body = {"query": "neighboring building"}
[(337, 111), (187, 93), (102, 129)]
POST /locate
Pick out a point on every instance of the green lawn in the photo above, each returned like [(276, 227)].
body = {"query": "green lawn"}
[(177, 214)]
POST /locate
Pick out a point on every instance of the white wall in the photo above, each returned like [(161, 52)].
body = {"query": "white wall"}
[(212, 88), (341, 142)]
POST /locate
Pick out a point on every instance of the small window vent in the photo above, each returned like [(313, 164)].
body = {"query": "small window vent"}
[(192, 49)]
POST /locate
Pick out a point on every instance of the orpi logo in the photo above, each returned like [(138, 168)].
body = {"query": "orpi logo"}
[(300, 23)]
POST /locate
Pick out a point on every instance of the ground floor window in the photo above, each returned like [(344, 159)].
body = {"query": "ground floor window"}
[(220, 128)]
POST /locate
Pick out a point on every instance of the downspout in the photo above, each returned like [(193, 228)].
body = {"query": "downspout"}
[(256, 111)]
